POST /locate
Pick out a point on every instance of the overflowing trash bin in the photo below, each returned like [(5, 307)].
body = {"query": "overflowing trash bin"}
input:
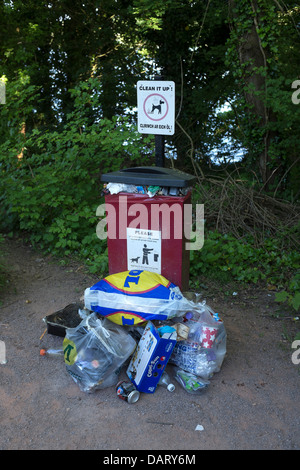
[(146, 224), (140, 318)]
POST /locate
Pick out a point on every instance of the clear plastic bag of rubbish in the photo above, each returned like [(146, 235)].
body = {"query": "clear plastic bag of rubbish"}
[(116, 188), (95, 351), (203, 352), (191, 382)]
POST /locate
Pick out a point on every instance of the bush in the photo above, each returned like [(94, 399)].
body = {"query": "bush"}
[(52, 190)]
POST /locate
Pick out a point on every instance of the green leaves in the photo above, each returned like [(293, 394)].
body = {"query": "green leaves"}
[(52, 191), (292, 299), (261, 57), (242, 261)]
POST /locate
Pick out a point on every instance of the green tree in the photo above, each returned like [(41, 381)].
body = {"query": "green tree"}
[(62, 43), (262, 54), (186, 40), (246, 55)]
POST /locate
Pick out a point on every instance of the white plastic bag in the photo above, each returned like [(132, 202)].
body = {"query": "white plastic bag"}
[(133, 297), (95, 351)]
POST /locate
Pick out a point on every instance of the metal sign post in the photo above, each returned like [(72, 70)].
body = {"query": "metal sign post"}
[(160, 150)]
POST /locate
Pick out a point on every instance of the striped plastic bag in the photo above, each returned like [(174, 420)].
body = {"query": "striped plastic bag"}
[(133, 297)]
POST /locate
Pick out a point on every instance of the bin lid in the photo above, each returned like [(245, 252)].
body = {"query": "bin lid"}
[(150, 175)]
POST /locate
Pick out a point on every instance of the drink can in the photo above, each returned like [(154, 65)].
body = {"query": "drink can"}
[(127, 392)]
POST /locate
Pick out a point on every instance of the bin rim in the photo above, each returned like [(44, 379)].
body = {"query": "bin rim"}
[(149, 176)]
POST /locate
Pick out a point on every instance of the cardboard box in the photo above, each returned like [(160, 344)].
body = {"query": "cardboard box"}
[(67, 317), (150, 358), (182, 331)]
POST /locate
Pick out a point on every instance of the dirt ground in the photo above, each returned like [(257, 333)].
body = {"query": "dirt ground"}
[(252, 403)]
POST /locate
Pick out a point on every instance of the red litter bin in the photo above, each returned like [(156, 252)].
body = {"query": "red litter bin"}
[(148, 217)]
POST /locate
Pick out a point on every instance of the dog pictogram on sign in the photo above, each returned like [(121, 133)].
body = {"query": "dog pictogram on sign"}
[(156, 107)]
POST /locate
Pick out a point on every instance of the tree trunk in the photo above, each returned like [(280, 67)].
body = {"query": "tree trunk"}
[(253, 59)]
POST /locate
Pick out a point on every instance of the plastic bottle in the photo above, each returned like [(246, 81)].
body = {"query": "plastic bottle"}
[(166, 382), (51, 352)]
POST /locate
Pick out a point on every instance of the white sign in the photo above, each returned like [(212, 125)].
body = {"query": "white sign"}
[(156, 107), (144, 249)]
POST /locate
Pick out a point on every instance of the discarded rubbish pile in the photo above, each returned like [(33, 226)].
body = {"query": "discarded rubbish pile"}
[(116, 188), (141, 321)]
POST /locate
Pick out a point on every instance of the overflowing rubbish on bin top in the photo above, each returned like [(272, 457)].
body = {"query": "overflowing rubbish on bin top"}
[(148, 180), (140, 322), (151, 191)]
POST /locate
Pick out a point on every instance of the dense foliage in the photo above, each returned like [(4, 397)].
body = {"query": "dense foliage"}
[(70, 71)]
